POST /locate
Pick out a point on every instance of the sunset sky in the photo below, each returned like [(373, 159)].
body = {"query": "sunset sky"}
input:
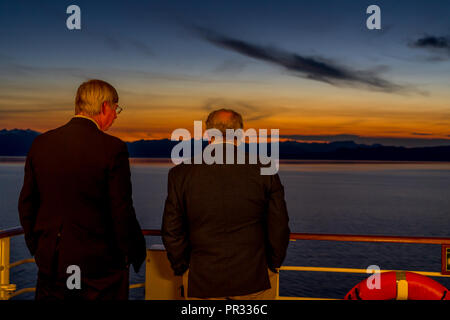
[(309, 68)]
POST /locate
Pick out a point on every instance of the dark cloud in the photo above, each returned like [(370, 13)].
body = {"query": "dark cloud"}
[(422, 134), (386, 141), (433, 42), (314, 68), (439, 46)]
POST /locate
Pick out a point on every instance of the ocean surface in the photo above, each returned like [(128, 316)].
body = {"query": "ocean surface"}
[(374, 198)]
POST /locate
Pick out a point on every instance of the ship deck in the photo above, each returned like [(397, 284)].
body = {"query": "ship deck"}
[(160, 284)]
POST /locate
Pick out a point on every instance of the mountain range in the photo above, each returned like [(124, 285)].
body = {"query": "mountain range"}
[(17, 142)]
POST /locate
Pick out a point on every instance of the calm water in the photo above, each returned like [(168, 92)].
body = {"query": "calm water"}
[(407, 199)]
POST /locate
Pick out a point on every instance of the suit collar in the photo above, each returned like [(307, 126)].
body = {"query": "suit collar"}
[(78, 119)]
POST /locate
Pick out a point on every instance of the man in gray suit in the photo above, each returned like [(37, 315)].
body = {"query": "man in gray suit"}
[(226, 223)]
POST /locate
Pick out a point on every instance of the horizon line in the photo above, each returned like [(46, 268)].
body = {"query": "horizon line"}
[(318, 139)]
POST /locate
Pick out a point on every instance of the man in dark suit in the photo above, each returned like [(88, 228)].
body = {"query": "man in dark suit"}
[(76, 207), (225, 225)]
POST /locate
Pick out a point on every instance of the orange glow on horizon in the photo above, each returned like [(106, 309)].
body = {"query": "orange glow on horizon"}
[(309, 112)]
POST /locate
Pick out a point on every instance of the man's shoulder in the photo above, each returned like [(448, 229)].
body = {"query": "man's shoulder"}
[(244, 170), (65, 134), (48, 135), (178, 169), (113, 141)]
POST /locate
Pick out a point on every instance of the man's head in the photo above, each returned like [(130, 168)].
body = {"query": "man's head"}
[(224, 119), (98, 100)]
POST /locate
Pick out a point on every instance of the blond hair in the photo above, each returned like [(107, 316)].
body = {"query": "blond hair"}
[(91, 95)]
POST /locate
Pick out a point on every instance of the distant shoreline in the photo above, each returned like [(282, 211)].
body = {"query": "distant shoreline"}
[(15, 159)]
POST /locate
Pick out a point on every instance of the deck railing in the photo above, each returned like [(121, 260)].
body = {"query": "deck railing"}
[(8, 290)]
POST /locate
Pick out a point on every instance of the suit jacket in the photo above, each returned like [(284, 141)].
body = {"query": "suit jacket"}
[(76, 206), (227, 223)]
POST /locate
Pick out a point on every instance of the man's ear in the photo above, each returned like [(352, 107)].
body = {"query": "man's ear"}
[(104, 106)]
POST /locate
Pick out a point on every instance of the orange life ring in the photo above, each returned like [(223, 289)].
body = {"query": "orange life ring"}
[(400, 286)]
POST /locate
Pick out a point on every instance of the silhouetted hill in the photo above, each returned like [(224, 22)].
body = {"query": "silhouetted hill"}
[(17, 142), (151, 148)]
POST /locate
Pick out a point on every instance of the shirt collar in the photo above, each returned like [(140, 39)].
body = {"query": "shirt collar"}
[(81, 116)]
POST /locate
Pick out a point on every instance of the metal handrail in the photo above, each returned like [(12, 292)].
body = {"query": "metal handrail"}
[(369, 238), (11, 232), (353, 270), (302, 236), (6, 234)]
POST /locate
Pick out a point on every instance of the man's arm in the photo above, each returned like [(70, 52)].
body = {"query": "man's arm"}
[(174, 229), (127, 230), (29, 204), (277, 224)]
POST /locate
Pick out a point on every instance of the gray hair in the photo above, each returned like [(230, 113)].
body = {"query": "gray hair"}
[(233, 120), (91, 95)]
